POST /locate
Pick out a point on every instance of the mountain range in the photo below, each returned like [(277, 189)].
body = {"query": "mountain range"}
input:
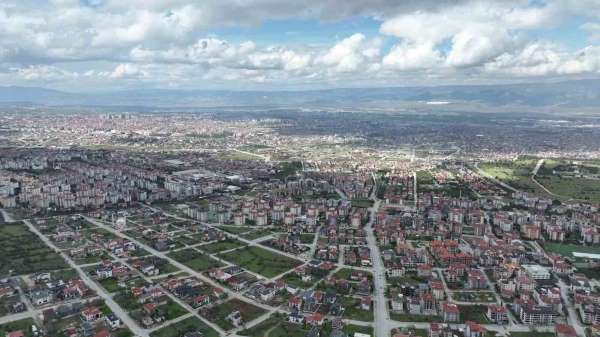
[(566, 94)]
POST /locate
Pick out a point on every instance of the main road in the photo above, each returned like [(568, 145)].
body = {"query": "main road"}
[(381, 314)]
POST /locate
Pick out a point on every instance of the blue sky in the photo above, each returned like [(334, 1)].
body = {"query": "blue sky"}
[(87, 45)]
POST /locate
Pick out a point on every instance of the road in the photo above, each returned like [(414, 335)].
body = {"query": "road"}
[(537, 167), (381, 314)]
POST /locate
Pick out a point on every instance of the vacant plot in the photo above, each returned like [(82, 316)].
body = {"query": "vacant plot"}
[(194, 259), (22, 252), (163, 265), (172, 310), (567, 250), (261, 261), (236, 229), (346, 273), (532, 334), (276, 327), (236, 155), (307, 238), (222, 246), (295, 280), (259, 233), (362, 203), (23, 325), (219, 313), (475, 313), (474, 296), (415, 318), (515, 173), (352, 309), (192, 324), (576, 188)]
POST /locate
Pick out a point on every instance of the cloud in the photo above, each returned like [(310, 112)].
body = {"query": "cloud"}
[(538, 59), (128, 70), (412, 55), (351, 54), (43, 73), (158, 42)]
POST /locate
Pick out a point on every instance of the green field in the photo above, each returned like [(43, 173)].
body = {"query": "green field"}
[(514, 173), (219, 313), (259, 233), (475, 313), (23, 325), (352, 309), (474, 296), (362, 203), (195, 259), (576, 188), (187, 325), (414, 318), (22, 252), (236, 229), (172, 310), (261, 261), (235, 155), (568, 249), (220, 246)]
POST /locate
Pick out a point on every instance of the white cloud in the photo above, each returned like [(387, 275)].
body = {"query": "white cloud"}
[(546, 59), (351, 54), (411, 56), (158, 42), (477, 44), (128, 70), (43, 73)]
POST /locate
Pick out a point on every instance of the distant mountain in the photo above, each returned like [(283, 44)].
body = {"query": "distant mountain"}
[(579, 93)]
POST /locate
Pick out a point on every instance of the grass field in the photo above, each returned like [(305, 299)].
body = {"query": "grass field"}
[(24, 325), (261, 261), (195, 259), (474, 296), (568, 249), (514, 173), (110, 284), (415, 318), (576, 188), (235, 155), (259, 233), (220, 246), (352, 309), (219, 313), (187, 325), (172, 310), (362, 203), (475, 313), (22, 252), (236, 229)]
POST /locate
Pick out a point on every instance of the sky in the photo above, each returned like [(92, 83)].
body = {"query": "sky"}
[(103, 45)]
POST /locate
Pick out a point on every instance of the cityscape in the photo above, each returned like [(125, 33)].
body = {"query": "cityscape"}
[(274, 189)]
